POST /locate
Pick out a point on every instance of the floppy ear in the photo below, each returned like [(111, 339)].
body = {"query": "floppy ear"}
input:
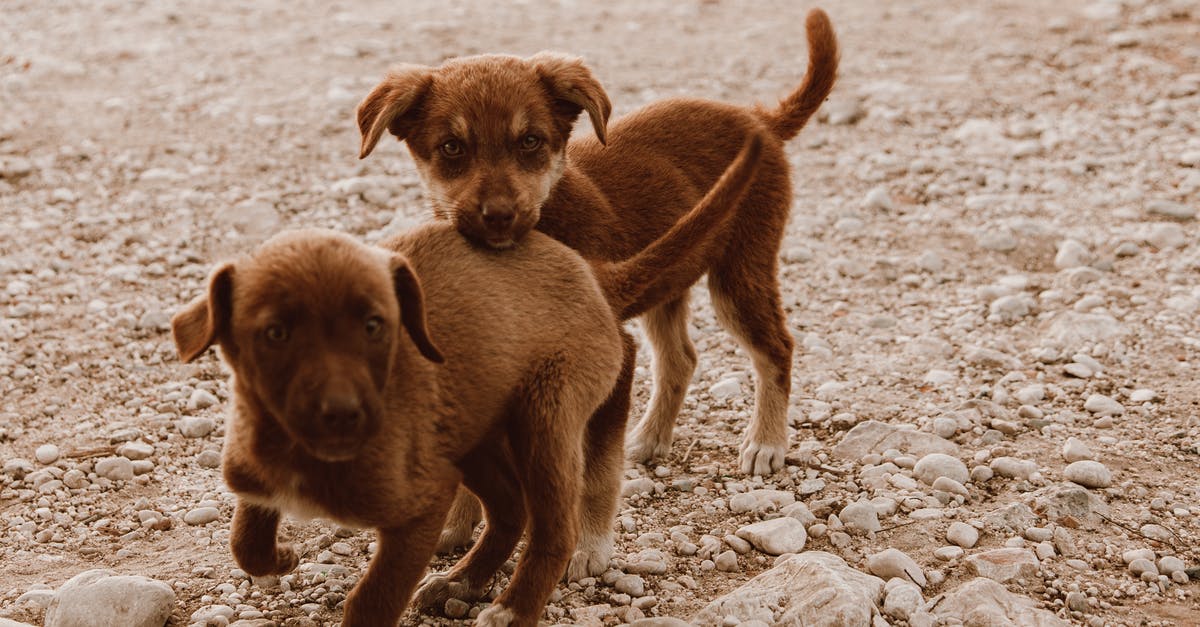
[(412, 308), (198, 325), (392, 105), (574, 89)]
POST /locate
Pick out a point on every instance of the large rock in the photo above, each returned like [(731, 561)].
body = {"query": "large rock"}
[(812, 589), (875, 437), (1004, 565), (100, 598), (984, 603), (1069, 505)]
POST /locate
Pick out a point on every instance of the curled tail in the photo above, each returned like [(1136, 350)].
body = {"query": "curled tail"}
[(795, 110), (679, 257)]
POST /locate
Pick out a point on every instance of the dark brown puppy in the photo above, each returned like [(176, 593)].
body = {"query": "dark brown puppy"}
[(368, 382), (489, 135)]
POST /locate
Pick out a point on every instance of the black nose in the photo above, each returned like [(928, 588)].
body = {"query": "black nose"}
[(498, 216), (341, 414)]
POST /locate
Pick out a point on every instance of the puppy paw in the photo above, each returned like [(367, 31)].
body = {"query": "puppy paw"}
[(761, 458), (496, 615), (435, 590), (588, 563), (647, 444), (283, 561)]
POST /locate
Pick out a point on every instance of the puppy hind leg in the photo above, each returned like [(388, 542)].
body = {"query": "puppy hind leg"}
[(674, 363), (603, 462), (493, 477), (747, 303), (461, 522)]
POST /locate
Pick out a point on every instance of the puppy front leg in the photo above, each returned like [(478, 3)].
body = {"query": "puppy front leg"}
[(403, 553), (253, 541)]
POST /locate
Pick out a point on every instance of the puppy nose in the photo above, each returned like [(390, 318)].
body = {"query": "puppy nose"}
[(341, 413), (497, 215)]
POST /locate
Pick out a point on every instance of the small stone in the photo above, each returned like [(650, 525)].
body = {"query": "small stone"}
[(1074, 450), (115, 468), (1174, 210), (878, 199), (1089, 474), (135, 450), (1165, 235), (201, 399), (1143, 395), (1140, 566), (902, 599), (1101, 405), (895, 563), (1077, 601), (934, 465), (726, 562), (776, 536), (861, 515), (948, 553), (196, 426), (962, 534), (726, 388), (633, 585), (1170, 564), (1013, 468), (46, 454), (456, 608), (1072, 254), (201, 515), (209, 459)]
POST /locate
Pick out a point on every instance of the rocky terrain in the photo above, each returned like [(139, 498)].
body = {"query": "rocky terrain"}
[(992, 274)]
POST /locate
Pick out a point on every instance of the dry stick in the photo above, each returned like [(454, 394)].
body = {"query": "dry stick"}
[(688, 452), (85, 453), (1138, 532), (897, 526)]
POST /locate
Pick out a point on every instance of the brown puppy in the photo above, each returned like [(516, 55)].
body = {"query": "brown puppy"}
[(368, 382), (489, 135)]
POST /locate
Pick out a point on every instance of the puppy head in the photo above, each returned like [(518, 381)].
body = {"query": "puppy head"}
[(312, 325), (488, 134)]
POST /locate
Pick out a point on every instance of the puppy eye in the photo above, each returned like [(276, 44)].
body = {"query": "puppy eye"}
[(277, 333), (531, 142), (374, 327), (452, 149)]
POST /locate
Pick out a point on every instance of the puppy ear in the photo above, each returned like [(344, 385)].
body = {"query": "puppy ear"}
[(412, 308), (392, 105), (198, 325), (574, 89)]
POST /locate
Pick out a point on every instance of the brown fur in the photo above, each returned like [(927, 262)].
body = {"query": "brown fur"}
[(369, 382), (489, 135)]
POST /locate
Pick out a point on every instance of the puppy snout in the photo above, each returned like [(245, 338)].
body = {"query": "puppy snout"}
[(342, 413), (498, 215)]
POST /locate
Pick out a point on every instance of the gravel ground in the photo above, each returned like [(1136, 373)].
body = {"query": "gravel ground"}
[(993, 241)]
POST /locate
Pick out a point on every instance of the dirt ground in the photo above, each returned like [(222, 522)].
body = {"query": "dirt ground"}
[(965, 145)]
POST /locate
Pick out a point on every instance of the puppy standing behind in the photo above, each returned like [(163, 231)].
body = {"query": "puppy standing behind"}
[(489, 135), (368, 382)]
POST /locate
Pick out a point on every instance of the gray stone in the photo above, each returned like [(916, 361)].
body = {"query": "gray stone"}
[(196, 426), (1013, 468), (1069, 505), (813, 589), (962, 534), (46, 454), (875, 437), (1170, 209), (776, 536), (901, 599), (115, 468), (1089, 474), (1074, 450), (1102, 405), (935, 465), (100, 598), (981, 601), (861, 515), (1071, 329), (895, 563), (201, 515), (1004, 565)]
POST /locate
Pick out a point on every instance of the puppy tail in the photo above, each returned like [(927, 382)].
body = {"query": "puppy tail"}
[(795, 110), (679, 257)]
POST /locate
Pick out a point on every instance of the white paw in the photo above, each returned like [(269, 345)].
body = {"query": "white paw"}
[(760, 458), (645, 444), (495, 615), (592, 557)]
